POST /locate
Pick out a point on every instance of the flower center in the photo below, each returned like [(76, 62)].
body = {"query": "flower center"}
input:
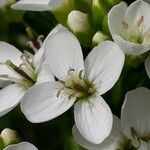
[(76, 86), (133, 33), (26, 75)]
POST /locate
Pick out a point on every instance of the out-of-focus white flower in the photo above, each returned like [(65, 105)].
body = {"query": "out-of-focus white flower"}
[(23, 70), (130, 27), (21, 146), (132, 132), (78, 82)]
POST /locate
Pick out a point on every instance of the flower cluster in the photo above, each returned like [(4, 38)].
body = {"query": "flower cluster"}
[(56, 76)]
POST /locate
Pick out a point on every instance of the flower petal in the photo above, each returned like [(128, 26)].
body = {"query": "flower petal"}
[(135, 111), (115, 17), (130, 48), (8, 51), (39, 56), (93, 119), (110, 143), (45, 75), (136, 10), (33, 5), (99, 64), (63, 52), (147, 66), (10, 96), (21, 146), (41, 103)]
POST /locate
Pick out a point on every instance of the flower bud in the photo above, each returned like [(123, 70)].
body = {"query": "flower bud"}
[(9, 137), (80, 25), (99, 37)]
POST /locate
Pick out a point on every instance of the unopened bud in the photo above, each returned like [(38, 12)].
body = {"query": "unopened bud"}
[(80, 25), (9, 137), (99, 37), (78, 21)]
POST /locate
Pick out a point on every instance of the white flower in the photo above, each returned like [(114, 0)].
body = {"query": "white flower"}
[(78, 82), (39, 5), (130, 27), (132, 132), (23, 70), (21, 146)]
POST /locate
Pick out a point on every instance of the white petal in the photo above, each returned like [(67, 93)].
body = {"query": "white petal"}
[(39, 56), (110, 143), (144, 145), (33, 5), (130, 48), (8, 51), (136, 10), (115, 17), (45, 75), (63, 52), (147, 66), (41, 103), (104, 65), (135, 111), (21, 146), (10, 96), (93, 119)]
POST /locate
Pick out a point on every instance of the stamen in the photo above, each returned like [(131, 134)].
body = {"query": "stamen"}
[(125, 25), (59, 92), (140, 21), (91, 91), (71, 95), (31, 45), (70, 70), (21, 73), (25, 58), (80, 74), (40, 40), (28, 53)]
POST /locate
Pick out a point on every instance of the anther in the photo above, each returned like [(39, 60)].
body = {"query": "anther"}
[(140, 21), (21, 65), (70, 70), (40, 39), (125, 25), (59, 92), (80, 74), (30, 44), (71, 95)]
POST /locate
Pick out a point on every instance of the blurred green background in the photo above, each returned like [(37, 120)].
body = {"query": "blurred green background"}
[(56, 134)]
